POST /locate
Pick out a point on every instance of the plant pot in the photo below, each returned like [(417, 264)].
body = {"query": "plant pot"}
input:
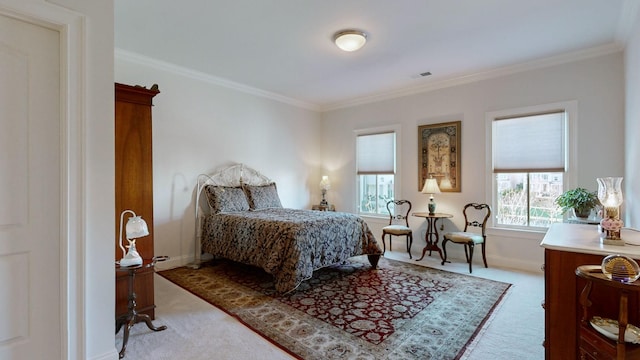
[(581, 215)]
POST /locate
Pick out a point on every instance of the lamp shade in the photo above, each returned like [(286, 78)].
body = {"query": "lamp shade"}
[(136, 227), (350, 40), (325, 184), (431, 187)]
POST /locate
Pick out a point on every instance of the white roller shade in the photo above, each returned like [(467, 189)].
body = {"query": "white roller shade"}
[(534, 143), (376, 153)]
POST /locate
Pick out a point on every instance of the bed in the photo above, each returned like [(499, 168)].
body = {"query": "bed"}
[(239, 217)]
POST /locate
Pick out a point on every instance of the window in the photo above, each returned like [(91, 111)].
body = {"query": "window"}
[(529, 164), (376, 168)]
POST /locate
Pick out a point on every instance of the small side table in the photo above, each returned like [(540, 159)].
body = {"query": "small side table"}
[(431, 237), (592, 344), (132, 317), (330, 207)]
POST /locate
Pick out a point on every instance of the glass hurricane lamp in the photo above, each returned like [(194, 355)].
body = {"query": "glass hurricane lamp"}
[(610, 196)]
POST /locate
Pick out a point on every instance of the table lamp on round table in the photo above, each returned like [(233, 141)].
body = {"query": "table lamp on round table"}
[(431, 187), (136, 227)]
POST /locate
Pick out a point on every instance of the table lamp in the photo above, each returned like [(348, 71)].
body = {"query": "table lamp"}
[(325, 185), (136, 227), (610, 196), (431, 187)]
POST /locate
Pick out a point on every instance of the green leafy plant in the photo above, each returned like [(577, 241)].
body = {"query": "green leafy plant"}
[(579, 199)]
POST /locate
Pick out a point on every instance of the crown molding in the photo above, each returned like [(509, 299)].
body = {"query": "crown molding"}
[(461, 79), (135, 58)]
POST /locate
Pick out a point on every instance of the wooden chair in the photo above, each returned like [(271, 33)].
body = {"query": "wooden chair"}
[(475, 215), (398, 223)]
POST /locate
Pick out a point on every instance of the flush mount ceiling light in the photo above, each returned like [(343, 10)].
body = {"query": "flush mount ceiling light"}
[(350, 40)]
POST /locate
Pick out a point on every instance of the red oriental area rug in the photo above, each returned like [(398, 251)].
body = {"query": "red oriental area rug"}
[(348, 311)]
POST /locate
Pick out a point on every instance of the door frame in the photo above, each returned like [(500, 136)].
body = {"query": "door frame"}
[(73, 101)]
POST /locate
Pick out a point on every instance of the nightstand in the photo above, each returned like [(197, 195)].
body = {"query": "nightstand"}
[(132, 317), (323, 207)]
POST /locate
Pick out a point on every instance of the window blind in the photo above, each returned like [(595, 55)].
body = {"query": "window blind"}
[(376, 153), (532, 143)]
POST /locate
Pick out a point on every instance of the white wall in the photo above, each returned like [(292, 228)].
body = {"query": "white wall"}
[(632, 128), (598, 86), (199, 126)]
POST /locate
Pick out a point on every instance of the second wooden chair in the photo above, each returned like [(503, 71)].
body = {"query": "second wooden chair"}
[(475, 215), (398, 223)]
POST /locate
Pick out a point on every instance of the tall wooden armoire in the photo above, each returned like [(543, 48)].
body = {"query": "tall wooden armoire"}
[(134, 186)]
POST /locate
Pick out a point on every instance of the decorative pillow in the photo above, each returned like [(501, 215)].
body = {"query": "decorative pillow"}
[(226, 199), (262, 197)]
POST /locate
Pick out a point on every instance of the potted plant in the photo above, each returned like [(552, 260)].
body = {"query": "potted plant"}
[(580, 200)]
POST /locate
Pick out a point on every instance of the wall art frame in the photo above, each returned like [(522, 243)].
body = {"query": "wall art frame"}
[(439, 155)]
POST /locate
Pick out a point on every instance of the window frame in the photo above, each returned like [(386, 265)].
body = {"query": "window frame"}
[(396, 129), (570, 174)]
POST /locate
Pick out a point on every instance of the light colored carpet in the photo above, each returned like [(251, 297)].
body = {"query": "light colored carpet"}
[(198, 330)]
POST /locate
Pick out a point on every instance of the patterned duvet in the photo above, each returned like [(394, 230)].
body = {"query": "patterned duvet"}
[(287, 243)]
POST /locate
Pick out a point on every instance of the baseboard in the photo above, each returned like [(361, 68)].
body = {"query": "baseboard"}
[(110, 355), (515, 264), (174, 262)]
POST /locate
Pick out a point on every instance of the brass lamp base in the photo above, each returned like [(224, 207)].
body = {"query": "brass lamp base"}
[(618, 242)]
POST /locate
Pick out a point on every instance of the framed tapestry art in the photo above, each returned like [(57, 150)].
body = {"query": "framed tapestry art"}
[(439, 155)]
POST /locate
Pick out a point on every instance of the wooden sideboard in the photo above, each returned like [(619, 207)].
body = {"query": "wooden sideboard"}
[(568, 246), (134, 186)]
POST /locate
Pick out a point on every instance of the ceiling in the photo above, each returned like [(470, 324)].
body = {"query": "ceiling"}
[(284, 48)]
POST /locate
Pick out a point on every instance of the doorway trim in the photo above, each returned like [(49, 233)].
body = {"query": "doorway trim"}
[(71, 26)]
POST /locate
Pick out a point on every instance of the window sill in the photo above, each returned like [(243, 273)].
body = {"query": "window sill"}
[(376, 219), (517, 233)]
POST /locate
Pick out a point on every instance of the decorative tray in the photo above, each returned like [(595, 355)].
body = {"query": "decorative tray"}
[(609, 328)]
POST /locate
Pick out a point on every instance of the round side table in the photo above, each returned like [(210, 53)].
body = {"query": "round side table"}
[(431, 236), (132, 316)]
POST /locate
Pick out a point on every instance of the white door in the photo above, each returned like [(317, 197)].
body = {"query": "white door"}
[(30, 138)]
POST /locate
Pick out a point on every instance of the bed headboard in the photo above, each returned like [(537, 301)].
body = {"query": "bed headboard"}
[(235, 176)]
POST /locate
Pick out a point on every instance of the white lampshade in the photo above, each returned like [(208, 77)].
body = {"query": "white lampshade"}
[(350, 40), (431, 187), (136, 227)]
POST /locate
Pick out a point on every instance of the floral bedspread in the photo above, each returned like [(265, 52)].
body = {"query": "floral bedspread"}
[(288, 243)]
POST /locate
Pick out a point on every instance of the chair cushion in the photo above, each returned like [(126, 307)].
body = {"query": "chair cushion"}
[(396, 230), (464, 237)]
